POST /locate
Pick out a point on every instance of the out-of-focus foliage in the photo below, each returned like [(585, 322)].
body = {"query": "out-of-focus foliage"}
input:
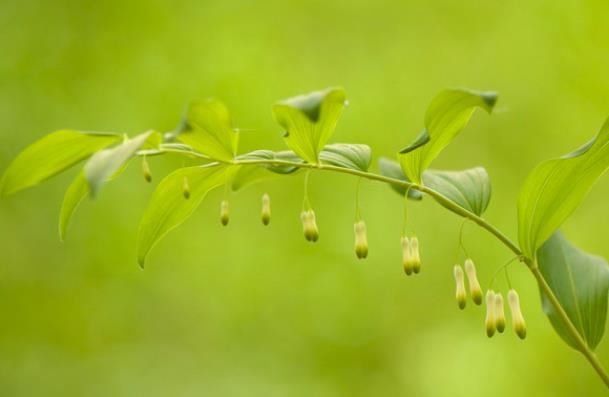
[(253, 310)]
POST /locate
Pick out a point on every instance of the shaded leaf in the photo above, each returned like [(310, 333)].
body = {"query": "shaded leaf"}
[(105, 163), (51, 155), (580, 282), (286, 155), (470, 189), (310, 120), (207, 129), (347, 155), (448, 113), (555, 188), (168, 208), (76, 193), (391, 168)]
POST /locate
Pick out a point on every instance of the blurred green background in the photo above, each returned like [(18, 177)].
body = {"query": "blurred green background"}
[(253, 311)]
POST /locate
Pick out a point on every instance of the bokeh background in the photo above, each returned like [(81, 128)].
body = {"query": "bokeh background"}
[(254, 311)]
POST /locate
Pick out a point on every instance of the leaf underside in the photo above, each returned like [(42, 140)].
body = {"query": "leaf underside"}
[(580, 282)]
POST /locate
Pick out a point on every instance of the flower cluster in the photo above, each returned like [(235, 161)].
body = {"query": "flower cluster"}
[(495, 315)]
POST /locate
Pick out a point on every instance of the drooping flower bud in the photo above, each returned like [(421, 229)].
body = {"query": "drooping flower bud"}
[(517, 319), (460, 286), (361, 239), (406, 255), (489, 322), (416, 259), (266, 209), (474, 285), (224, 212), (186, 188), (146, 170), (309, 225), (499, 313)]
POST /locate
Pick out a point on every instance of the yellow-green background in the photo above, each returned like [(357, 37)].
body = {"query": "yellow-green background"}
[(254, 311)]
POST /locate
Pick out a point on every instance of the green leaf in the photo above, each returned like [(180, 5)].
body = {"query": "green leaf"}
[(105, 163), (76, 193), (470, 189), (310, 120), (556, 187), (580, 282), (51, 155), (207, 129), (448, 113), (168, 208), (347, 155), (286, 155), (391, 168)]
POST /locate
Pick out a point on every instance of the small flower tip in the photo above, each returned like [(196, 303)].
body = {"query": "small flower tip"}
[(499, 313), (265, 215), (309, 225), (224, 212), (406, 255), (186, 188)]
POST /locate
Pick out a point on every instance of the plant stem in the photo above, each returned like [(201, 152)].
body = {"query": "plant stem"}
[(451, 206)]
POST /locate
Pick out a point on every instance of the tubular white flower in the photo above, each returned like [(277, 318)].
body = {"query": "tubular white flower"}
[(361, 239), (517, 318), (309, 225), (265, 214), (499, 313), (186, 188), (489, 322), (416, 259), (474, 285), (406, 255), (146, 170), (460, 294), (224, 212)]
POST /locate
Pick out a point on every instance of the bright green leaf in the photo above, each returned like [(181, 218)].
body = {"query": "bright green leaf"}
[(310, 120), (168, 208), (470, 189), (105, 163), (51, 155), (347, 155), (448, 113), (207, 129), (580, 282), (555, 188)]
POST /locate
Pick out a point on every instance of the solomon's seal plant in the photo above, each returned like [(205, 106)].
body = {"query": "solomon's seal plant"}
[(573, 284)]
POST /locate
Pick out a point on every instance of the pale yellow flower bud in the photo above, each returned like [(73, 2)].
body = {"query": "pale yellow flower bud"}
[(499, 313), (146, 170), (517, 318), (224, 212), (474, 285), (186, 188), (361, 239), (309, 225), (266, 209), (416, 259), (460, 286), (489, 322), (406, 255)]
